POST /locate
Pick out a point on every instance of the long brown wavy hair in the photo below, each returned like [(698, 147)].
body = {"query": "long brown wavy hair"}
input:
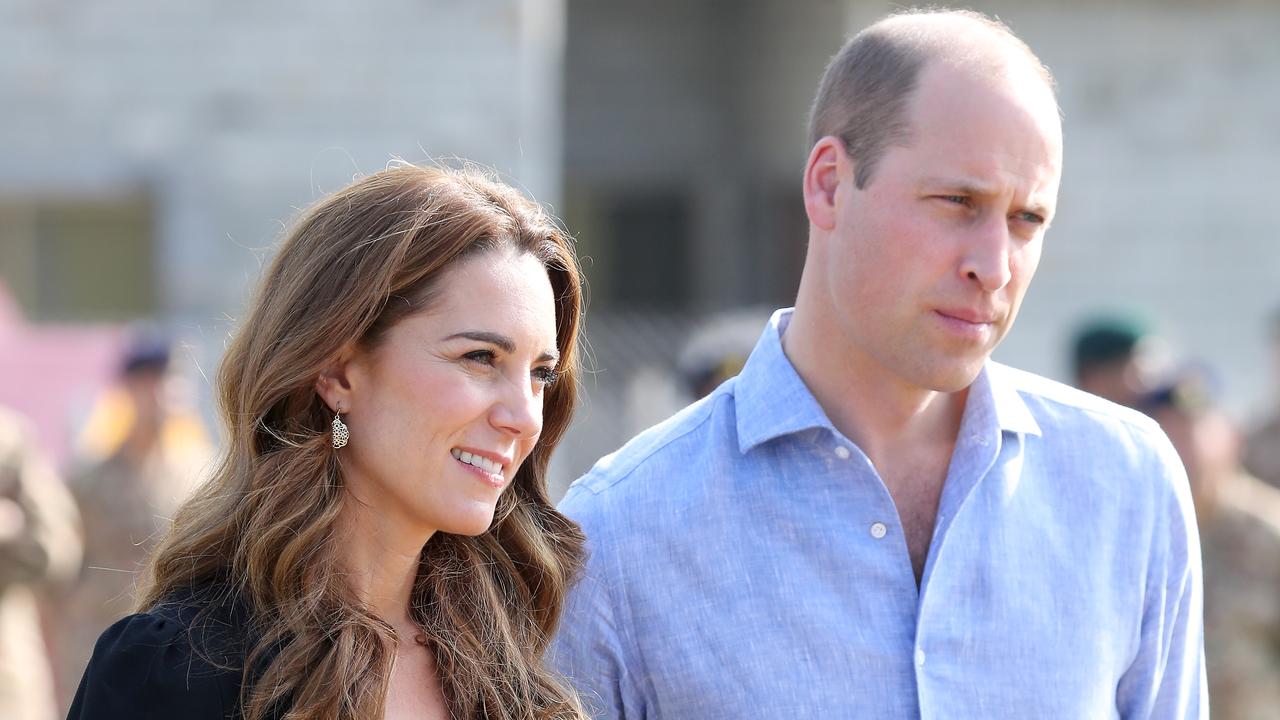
[(260, 534)]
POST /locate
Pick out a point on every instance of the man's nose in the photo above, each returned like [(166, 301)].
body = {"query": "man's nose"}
[(986, 258)]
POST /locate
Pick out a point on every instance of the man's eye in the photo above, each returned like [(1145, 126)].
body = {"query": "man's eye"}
[(484, 357), (547, 376), (964, 200), (1030, 217)]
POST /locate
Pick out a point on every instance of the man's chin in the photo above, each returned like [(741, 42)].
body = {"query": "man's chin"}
[(955, 377)]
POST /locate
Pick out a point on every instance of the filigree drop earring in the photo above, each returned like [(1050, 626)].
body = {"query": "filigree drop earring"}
[(340, 432)]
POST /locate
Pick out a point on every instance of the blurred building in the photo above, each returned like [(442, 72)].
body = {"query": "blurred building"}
[(150, 152)]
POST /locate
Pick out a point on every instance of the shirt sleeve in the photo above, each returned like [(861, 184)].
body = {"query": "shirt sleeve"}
[(143, 667), (590, 649), (1167, 677)]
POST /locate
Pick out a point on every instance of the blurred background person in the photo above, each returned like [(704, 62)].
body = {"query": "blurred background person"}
[(1239, 518), (140, 454), (1115, 357), (717, 348), (1262, 450), (39, 544)]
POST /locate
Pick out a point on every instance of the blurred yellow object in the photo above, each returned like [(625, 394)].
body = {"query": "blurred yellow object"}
[(109, 423), (112, 419)]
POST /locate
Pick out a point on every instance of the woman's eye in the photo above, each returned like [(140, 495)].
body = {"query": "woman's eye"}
[(546, 376), (484, 357)]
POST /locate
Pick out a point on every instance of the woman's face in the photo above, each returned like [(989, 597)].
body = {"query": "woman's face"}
[(444, 411)]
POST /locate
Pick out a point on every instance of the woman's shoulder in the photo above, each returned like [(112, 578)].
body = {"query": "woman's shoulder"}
[(182, 658)]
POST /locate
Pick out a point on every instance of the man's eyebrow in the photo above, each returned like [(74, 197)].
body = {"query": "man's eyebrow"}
[(502, 342), (961, 185)]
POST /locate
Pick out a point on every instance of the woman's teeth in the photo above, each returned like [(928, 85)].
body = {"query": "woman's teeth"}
[(484, 464)]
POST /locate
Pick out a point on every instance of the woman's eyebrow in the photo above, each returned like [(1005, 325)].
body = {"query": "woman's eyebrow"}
[(502, 342)]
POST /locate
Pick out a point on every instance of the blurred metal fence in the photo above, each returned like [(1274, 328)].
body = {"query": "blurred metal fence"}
[(632, 377), (629, 381)]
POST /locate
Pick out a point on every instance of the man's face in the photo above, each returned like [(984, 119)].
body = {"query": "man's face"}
[(928, 263)]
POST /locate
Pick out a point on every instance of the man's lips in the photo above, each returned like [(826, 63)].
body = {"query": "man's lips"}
[(974, 317)]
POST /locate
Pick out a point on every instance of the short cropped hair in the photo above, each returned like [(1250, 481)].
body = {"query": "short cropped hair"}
[(865, 92)]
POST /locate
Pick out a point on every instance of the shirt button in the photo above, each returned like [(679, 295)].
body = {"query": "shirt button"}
[(842, 452), (919, 658), (878, 530)]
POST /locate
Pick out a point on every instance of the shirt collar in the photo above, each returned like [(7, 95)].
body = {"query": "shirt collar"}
[(996, 389), (772, 400)]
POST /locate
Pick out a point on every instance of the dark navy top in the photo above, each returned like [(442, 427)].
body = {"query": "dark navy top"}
[(170, 662)]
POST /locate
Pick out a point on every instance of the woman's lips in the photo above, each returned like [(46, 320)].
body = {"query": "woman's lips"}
[(487, 466)]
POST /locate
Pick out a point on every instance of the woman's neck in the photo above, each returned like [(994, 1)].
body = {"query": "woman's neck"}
[(381, 563)]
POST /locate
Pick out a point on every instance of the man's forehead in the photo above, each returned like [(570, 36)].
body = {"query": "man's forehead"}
[(965, 48), (1041, 190), (1003, 75), (960, 38), (977, 135), (957, 102)]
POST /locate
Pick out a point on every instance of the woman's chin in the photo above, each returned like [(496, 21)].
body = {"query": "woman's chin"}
[(473, 521)]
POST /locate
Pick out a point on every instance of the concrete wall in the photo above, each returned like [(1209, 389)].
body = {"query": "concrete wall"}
[(707, 99), (232, 114)]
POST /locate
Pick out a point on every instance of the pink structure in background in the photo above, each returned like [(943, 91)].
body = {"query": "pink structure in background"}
[(52, 373)]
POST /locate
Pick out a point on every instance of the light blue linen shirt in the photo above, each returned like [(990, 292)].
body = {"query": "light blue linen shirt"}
[(746, 561)]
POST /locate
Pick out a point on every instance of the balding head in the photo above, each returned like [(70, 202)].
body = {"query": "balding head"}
[(865, 93)]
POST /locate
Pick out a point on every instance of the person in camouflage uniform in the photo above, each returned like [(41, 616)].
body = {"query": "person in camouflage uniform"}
[(140, 456), (1262, 451), (1239, 518), (39, 543)]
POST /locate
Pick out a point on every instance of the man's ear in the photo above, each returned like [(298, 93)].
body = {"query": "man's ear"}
[(333, 385), (827, 163)]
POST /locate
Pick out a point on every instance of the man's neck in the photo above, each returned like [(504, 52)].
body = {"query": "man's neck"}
[(867, 402), (908, 433)]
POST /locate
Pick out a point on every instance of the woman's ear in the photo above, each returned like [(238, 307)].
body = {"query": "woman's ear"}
[(333, 385)]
